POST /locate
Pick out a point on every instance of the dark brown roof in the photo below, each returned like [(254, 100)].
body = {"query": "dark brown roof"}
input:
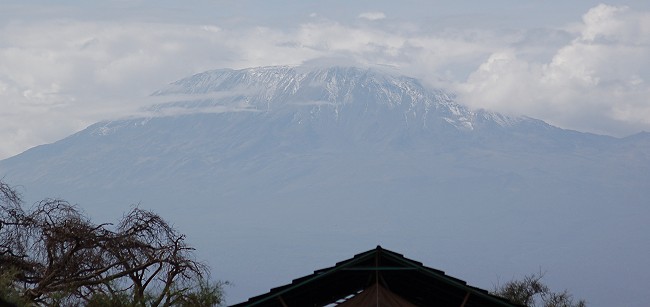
[(376, 295), (402, 277)]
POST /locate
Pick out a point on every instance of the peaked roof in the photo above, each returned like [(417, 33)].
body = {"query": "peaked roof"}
[(386, 274)]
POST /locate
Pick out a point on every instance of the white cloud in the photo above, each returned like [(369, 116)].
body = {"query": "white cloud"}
[(372, 16), (598, 82), (58, 76)]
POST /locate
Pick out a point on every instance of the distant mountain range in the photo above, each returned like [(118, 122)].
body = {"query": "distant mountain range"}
[(274, 171)]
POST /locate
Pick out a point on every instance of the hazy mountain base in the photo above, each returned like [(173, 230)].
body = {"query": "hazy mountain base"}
[(262, 216), (268, 196)]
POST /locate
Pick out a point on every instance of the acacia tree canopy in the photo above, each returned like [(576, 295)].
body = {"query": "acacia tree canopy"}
[(52, 254)]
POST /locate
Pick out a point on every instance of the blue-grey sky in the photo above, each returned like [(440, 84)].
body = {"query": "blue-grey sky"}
[(580, 65)]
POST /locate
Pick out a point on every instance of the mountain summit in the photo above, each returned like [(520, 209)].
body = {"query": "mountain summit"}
[(297, 161), (338, 92)]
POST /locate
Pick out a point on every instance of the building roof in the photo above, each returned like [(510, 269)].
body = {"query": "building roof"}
[(377, 276)]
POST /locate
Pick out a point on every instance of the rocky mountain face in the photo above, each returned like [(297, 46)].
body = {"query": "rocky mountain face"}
[(302, 166)]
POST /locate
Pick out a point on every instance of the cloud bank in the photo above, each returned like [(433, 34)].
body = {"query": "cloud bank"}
[(58, 76), (597, 82)]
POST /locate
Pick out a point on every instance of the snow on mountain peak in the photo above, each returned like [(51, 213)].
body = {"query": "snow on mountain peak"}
[(334, 88)]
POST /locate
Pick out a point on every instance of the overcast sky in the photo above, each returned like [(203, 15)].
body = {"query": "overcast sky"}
[(576, 64)]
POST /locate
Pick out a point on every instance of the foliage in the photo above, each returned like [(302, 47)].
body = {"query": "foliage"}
[(53, 255), (531, 291), (8, 294)]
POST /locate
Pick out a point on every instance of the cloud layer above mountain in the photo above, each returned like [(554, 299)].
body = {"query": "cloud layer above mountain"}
[(60, 74), (599, 81)]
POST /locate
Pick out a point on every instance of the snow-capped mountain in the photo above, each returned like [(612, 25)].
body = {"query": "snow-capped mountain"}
[(308, 165), (323, 90)]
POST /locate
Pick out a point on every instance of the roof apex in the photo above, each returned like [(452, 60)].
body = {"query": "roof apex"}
[(421, 285)]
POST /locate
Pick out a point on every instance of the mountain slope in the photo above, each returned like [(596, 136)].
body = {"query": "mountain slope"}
[(312, 164)]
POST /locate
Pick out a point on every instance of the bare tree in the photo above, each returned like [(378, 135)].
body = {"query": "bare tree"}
[(155, 256), (531, 291), (56, 254)]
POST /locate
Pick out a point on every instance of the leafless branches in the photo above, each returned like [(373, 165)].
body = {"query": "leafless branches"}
[(55, 250), (531, 291)]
